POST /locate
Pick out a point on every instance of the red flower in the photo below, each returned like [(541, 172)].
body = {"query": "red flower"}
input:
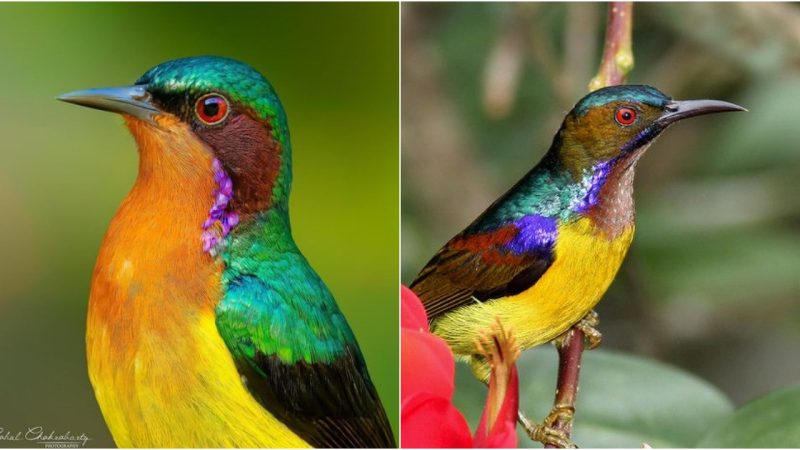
[(429, 419)]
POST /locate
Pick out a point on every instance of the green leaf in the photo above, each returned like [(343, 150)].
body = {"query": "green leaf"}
[(624, 400), (770, 421)]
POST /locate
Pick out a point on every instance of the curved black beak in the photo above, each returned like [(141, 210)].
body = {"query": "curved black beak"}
[(132, 100), (677, 110)]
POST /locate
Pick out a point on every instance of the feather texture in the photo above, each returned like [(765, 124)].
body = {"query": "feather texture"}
[(291, 343)]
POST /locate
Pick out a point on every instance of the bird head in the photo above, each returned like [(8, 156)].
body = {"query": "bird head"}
[(227, 106), (617, 123)]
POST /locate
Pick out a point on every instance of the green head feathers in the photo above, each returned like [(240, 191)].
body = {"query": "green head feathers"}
[(190, 78), (638, 94)]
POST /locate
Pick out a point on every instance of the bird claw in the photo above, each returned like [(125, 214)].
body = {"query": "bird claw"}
[(546, 433), (587, 325), (560, 414)]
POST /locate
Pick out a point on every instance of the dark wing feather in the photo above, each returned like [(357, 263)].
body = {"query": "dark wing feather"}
[(328, 405), (478, 267)]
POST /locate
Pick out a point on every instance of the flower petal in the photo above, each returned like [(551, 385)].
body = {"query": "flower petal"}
[(427, 365), (497, 428), (412, 313), (504, 432), (429, 421)]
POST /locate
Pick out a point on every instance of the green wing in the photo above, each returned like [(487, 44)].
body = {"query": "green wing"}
[(299, 358)]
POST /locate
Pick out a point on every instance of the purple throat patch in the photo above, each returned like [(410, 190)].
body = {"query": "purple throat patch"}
[(595, 182), (220, 221)]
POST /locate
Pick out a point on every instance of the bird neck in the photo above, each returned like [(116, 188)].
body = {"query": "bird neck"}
[(266, 279), (267, 233), (174, 189), (229, 221), (254, 157), (602, 191), (181, 177), (609, 199), (606, 192), (263, 244)]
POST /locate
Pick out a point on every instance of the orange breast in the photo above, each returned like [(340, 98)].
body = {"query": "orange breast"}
[(147, 267), (152, 281)]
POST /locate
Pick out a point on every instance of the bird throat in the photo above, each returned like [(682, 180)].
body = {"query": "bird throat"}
[(243, 184), (608, 202), (177, 174)]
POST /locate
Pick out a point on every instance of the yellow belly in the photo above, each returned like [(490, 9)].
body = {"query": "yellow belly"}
[(585, 265), (158, 400)]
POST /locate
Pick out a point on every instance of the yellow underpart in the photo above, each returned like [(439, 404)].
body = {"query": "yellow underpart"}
[(586, 262), (164, 404)]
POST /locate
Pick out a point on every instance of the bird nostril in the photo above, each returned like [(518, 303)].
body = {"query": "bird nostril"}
[(671, 107)]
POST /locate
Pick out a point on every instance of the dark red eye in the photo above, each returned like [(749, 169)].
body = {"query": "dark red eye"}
[(625, 116), (211, 109)]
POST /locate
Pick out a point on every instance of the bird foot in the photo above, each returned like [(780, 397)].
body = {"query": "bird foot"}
[(588, 325), (562, 415), (546, 433)]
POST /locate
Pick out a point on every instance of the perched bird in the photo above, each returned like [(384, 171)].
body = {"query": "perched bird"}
[(207, 327), (542, 255)]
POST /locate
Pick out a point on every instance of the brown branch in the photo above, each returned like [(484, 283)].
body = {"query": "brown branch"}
[(617, 62), (617, 59), (569, 367)]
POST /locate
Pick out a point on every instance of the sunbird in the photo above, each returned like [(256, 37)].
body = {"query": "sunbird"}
[(542, 256), (206, 326)]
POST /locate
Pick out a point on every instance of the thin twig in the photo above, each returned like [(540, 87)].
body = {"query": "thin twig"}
[(569, 367), (617, 62), (617, 59)]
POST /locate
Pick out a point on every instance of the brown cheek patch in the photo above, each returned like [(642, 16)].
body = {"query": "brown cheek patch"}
[(599, 134), (250, 156), (595, 137)]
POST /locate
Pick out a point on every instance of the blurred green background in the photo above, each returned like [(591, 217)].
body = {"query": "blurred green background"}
[(64, 170), (712, 281)]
